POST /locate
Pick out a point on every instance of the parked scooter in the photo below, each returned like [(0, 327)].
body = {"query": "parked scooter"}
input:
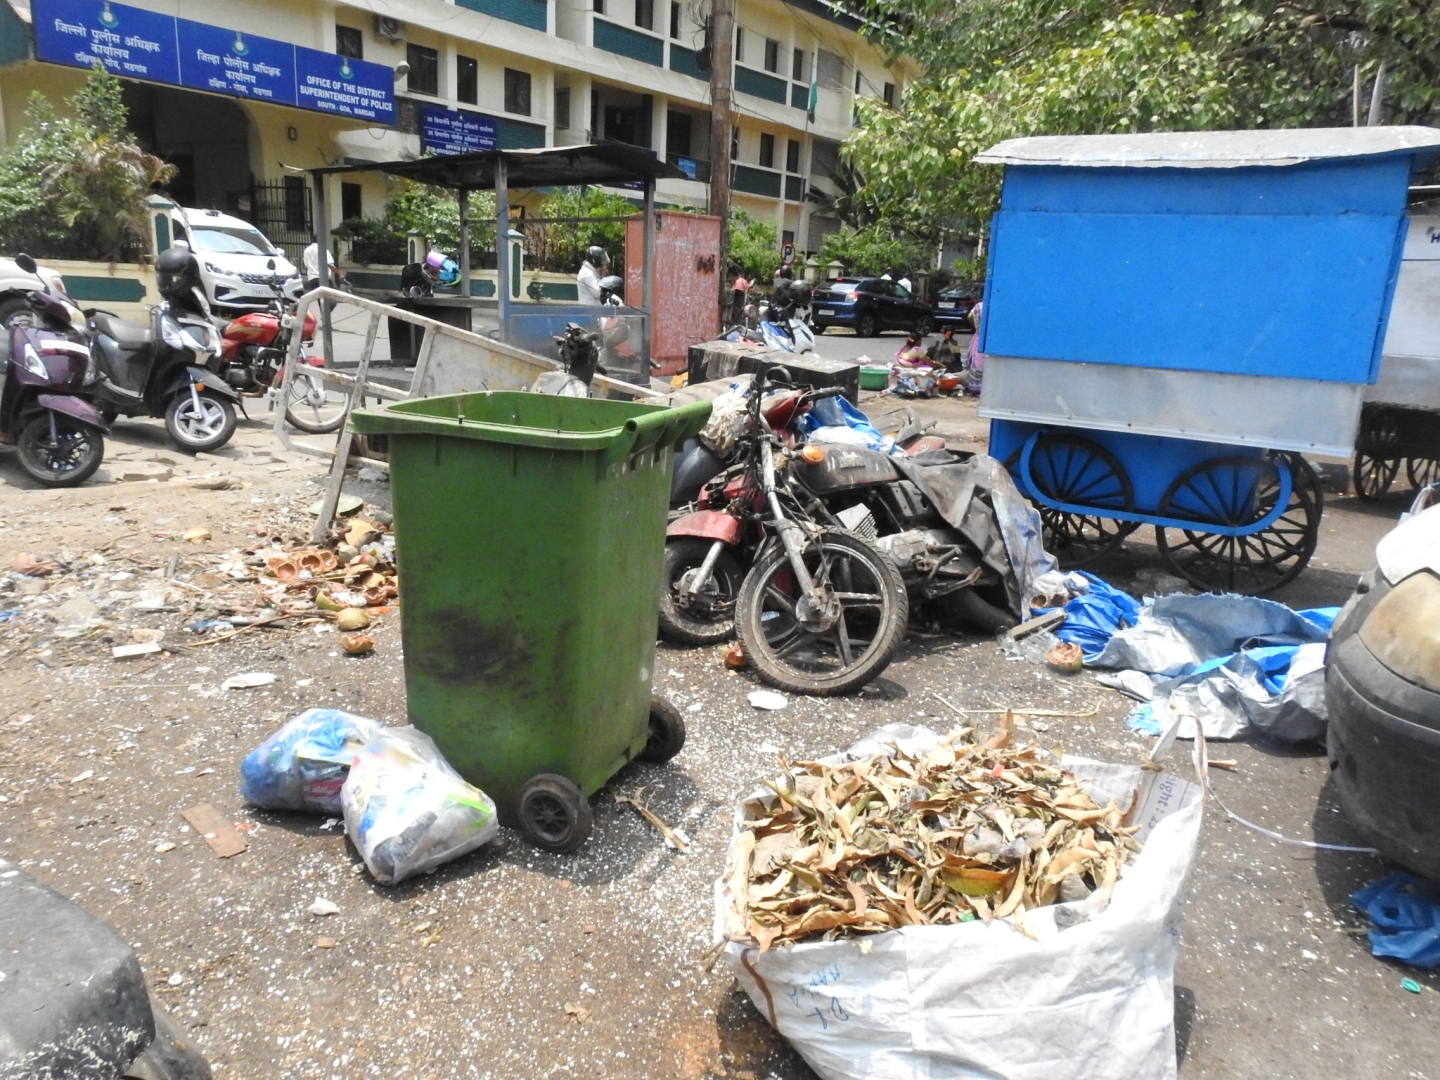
[(787, 333), (58, 433), (165, 369), (253, 347)]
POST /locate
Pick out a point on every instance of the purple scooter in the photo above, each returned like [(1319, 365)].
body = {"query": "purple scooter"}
[(59, 434)]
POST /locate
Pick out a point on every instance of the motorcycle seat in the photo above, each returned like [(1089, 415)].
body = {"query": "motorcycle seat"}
[(130, 336)]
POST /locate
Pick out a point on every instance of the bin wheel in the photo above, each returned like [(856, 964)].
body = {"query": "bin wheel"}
[(554, 814), (1373, 476), (1422, 471), (667, 732), (1235, 491), (1073, 469)]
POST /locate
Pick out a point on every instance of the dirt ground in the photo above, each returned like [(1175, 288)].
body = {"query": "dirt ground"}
[(515, 963)]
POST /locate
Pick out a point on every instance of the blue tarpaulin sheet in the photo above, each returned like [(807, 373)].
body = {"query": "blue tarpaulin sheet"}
[(1405, 912)]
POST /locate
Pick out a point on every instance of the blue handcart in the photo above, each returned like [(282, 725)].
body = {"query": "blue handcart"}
[(1173, 320)]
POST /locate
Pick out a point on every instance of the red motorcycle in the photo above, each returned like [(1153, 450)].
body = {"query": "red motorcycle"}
[(252, 356)]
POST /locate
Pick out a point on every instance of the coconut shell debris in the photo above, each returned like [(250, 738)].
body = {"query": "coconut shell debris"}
[(968, 830)]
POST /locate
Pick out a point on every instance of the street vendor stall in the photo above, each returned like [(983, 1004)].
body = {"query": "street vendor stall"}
[(1173, 320)]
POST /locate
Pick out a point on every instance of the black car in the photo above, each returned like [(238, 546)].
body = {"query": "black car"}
[(869, 306), (953, 306)]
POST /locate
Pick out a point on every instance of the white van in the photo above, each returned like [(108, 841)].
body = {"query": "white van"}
[(233, 257)]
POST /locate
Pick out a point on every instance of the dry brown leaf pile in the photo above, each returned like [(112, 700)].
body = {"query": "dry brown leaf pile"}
[(968, 830)]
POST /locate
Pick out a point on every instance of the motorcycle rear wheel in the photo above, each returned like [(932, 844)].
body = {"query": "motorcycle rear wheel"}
[(711, 618), (312, 407), (849, 654), (69, 459)]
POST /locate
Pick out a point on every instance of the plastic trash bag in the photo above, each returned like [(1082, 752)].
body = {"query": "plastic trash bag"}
[(303, 765), (1095, 616), (1089, 997), (407, 811), (835, 412), (1406, 914)]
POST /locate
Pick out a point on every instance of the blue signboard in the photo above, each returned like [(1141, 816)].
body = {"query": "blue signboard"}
[(338, 84), (130, 42), (452, 131), (229, 62), (140, 44)]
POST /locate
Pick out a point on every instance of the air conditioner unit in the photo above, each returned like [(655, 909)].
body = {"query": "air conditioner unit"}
[(389, 29)]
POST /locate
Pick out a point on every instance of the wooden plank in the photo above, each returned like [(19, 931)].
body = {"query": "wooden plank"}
[(222, 836)]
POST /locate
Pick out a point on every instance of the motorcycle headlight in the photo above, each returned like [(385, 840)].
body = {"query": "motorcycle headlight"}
[(1403, 630), (171, 334), (32, 362)]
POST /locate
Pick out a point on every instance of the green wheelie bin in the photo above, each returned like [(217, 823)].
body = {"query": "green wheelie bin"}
[(529, 530)]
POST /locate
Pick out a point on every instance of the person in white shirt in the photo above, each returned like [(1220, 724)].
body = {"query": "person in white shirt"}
[(904, 282), (587, 281), (311, 260)]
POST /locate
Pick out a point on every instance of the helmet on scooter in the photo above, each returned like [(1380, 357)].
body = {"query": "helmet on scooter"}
[(449, 272), (785, 272), (612, 285), (176, 272)]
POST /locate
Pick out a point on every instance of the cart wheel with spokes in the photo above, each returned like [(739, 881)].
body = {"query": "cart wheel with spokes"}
[(1376, 462), (844, 640), (554, 814), (1373, 476), (1076, 470), (1237, 491), (1422, 471)]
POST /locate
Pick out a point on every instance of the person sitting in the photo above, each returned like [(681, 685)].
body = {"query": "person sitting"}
[(587, 281)]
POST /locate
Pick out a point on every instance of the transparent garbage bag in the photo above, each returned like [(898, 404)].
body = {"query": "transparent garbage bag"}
[(303, 765), (407, 811)]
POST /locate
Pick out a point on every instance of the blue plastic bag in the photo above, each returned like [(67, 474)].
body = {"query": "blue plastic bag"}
[(304, 764), (1093, 618), (1406, 914)]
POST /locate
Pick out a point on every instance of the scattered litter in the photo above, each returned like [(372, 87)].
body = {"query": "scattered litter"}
[(222, 836), (303, 765), (248, 680), (325, 943), (32, 565), (351, 619), (161, 849), (347, 505), (86, 775), (204, 772), (196, 535), (175, 979), (735, 657), (1410, 986), (357, 644), (407, 811), (1065, 657), (144, 635), (373, 475), (675, 839), (322, 906), (200, 626), (1405, 911), (1104, 993), (576, 1013), (767, 699), (131, 652)]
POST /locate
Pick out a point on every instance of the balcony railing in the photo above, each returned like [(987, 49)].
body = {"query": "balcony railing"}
[(755, 181), (529, 13), (626, 42)]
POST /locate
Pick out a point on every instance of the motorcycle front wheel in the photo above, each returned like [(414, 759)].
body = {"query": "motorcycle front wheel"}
[(852, 649), (704, 618), (63, 457), (207, 426), (313, 407)]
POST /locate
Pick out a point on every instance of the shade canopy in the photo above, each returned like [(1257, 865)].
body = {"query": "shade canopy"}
[(609, 163)]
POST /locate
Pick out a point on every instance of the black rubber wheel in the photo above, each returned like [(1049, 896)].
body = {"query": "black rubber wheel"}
[(553, 813), (706, 619), (1373, 476), (866, 325), (109, 415), (828, 657), (667, 733), (1236, 491), (1422, 471), (208, 429), (1076, 470), (923, 326), (68, 458), (967, 608), (312, 407)]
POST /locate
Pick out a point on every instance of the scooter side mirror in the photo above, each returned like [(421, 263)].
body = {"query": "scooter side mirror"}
[(26, 263)]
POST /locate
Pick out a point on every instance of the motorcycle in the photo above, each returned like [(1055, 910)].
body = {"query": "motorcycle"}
[(58, 433), (785, 331), (253, 347), (165, 369)]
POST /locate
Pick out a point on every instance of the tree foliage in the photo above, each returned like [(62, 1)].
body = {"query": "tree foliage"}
[(561, 247), (875, 250), (431, 211), (74, 186), (997, 69), (754, 247)]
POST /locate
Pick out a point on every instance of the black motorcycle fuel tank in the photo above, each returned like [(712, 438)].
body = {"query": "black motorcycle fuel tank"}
[(845, 468)]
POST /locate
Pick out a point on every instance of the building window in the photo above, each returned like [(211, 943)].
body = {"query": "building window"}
[(350, 205), (675, 20), (562, 106), (830, 69), (424, 77), (517, 91), (467, 80), (678, 128), (772, 55), (788, 236), (792, 156), (767, 151), (889, 94), (645, 14), (599, 7), (824, 157), (739, 44), (800, 66), (349, 42)]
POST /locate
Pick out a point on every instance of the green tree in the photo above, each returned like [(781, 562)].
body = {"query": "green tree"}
[(431, 211), (997, 69), (754, 247), (875, 250), (75, 186), (561, 247)]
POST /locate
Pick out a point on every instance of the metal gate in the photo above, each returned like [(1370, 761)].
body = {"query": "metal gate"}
[(281, 210)]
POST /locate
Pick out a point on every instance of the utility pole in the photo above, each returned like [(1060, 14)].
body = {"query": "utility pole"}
[(722, 44)]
